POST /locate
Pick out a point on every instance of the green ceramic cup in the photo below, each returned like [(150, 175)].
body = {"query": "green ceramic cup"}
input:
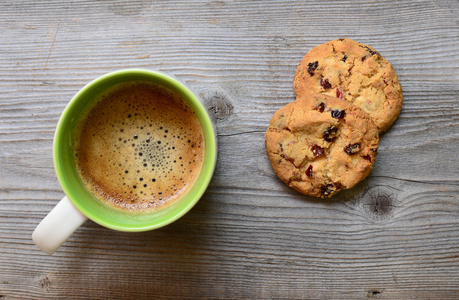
[(79, 204)]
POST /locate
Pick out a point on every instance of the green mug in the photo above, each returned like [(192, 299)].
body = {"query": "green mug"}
[(79, 204)]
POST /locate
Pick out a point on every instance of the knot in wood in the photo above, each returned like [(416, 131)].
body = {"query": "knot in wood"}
[(219, 105), (379, 203), (45, 283)]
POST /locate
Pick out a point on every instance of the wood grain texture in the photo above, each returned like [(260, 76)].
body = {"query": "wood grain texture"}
[(394, 236)]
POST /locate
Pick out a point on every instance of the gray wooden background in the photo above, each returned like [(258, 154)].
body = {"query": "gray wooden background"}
[(394, 236)]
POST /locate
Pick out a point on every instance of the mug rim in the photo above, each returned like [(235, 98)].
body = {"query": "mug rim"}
[(170, 215)]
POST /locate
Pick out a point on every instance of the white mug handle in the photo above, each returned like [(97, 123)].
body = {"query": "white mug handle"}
[(58, 226)]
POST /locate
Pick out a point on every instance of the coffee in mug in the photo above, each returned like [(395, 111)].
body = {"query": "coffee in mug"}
[(139, 147)]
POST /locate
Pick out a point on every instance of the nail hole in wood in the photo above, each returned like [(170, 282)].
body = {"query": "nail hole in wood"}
[(375, 293)]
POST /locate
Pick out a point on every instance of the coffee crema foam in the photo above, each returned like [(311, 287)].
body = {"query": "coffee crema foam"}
[(140, 148)]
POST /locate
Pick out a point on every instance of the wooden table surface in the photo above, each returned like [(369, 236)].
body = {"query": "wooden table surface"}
[(394, 236)]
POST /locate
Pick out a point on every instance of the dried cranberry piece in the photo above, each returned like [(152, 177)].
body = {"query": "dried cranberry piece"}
[(338, 114), (339, 94), (330, 133), (292, 160), (344, 57), (312, 67), (367, 157), (309, 171), (363, 58), (317, 150), (372, 52), (327, 189), (352, 149), (321, 107), (325, 83)]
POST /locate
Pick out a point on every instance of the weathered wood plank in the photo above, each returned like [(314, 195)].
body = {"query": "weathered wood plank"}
[(347, 245)]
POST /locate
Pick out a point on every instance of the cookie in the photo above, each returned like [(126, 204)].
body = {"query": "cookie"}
[(320, 145), (354, 72)]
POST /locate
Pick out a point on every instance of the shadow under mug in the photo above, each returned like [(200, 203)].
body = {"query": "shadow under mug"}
[(79, 204)]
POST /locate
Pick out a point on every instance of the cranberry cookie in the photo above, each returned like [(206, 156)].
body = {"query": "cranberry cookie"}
[(320, 144), (355, 72)]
